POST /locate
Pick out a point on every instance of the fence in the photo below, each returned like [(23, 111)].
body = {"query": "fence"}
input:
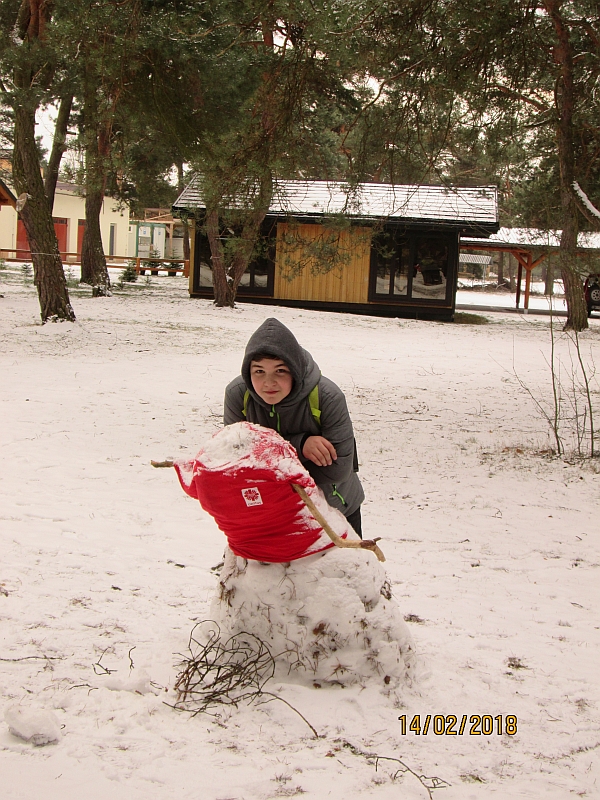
[(172, 266)]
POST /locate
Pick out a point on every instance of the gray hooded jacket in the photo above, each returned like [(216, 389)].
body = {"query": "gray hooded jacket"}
[(293, 418)]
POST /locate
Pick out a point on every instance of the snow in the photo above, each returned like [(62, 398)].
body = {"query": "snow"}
[(586, 200), (325, 618), (491, 545), (37, 727), (231, 445), (506, 300)]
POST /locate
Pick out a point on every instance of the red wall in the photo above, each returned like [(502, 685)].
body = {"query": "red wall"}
[(60, 227)]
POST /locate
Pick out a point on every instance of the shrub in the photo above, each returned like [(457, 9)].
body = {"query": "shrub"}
[(129, 274), (470, 319)]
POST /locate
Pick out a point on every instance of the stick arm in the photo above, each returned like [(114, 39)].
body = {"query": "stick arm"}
[(366, 544)]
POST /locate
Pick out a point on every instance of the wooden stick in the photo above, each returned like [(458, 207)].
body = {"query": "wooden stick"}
[(366, 544), (167, 463)]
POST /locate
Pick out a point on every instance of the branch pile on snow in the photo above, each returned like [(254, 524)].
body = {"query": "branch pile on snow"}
[(218, 672)]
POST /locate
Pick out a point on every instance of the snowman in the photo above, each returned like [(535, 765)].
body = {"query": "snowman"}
[(295, 574)]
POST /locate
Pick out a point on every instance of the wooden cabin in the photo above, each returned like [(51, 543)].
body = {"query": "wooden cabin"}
[(380, 250)]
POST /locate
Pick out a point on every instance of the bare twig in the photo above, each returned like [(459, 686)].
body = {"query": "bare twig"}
[(361, 544), (103, 670), (276, 697), (553, 419), (30, 658), (428, 783), (588, 394), (555, 388)]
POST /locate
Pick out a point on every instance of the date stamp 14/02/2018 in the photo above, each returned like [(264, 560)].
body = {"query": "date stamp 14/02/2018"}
[(451, 725)]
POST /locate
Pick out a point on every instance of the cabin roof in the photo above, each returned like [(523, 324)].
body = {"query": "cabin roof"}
[(473, 207), (533, 238), (6, 195)]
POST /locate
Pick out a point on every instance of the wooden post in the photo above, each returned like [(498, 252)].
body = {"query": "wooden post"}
[(519, 276), (528, 271)]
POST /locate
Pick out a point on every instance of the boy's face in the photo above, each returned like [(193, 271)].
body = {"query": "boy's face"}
[(271, 379)]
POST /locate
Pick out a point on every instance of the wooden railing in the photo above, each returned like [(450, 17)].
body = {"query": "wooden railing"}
[(172, 266)]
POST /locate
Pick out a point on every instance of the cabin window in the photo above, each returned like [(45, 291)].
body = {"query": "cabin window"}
[(258, 279), (408, 266), (390, 263), (430, 269)]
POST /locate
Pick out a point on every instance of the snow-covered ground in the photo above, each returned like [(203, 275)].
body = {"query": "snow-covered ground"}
[(506, 300), (492, 550)]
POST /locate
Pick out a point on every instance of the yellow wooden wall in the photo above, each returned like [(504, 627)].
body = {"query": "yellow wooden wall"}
[(347, 282)]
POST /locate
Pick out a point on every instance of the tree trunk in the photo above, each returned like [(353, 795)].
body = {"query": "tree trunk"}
[(501, 268), (93, 261), (576, 306), (246, 245), (511, 273), (186, 225), (227, 276), (49, 276), (224, 297), (186, 240), (30, 24), (229, 268), (564, 98), (59, 145)]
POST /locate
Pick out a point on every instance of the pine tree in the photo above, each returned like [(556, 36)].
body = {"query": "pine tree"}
[(30, 62), (286, 68), (536, 64)]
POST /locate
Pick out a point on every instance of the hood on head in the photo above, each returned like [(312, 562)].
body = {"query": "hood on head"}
[(275, 339)]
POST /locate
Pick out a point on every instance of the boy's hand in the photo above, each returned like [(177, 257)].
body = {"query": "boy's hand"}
[(319, 450)]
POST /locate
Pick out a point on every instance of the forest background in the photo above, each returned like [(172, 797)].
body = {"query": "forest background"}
[(248, 92)]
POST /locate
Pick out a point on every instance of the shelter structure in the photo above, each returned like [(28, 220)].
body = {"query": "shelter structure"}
[(175, 231), (530, 247), (375, 248)]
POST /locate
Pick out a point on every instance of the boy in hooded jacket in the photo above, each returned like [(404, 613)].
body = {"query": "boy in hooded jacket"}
[(276, 389)]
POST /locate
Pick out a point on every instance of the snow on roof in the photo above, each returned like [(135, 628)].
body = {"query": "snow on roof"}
[(468, 258), (462, 205), (533, 237)]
